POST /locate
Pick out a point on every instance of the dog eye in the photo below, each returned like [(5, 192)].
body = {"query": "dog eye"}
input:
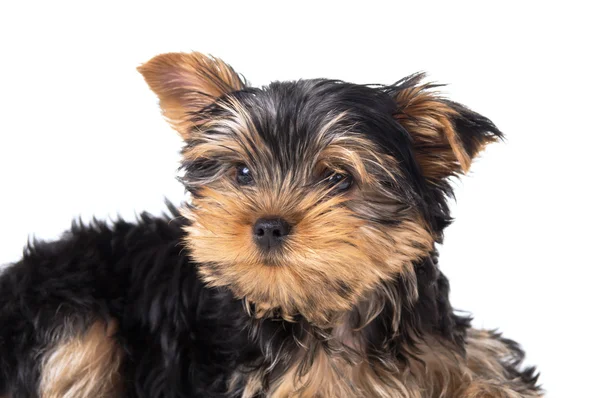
[(339, 181), (243, 175)]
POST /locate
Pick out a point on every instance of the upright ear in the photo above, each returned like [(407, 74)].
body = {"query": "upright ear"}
[(446, 135), (185, 83)]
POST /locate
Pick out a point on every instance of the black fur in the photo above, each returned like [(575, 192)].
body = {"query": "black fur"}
[(181, 339)]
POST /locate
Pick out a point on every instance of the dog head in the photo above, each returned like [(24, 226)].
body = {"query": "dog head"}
[(308, 195)]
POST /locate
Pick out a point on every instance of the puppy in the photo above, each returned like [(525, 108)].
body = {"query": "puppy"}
[(303, 264)]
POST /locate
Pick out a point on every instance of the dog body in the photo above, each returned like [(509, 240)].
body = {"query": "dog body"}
[(303, 265)]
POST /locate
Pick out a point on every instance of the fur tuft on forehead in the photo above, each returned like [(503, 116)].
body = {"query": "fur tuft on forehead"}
[(296, 128)]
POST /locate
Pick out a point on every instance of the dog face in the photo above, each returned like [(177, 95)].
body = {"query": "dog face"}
[(308, 195)]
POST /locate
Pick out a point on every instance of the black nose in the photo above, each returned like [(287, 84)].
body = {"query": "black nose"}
[(270, 232)]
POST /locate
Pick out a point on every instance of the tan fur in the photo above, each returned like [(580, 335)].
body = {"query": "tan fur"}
[(83, 366), (490, 389), (187, 82), (481, 372), (335, 377), (329, 248), (235, 135), (442, 374), (311, 264), (360, 154), (428, 119), (332, 257)]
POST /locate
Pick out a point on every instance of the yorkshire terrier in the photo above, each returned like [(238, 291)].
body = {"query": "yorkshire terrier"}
[(303, 264)]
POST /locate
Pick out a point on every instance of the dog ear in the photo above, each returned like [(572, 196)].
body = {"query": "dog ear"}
[(186, 83), (446, 135)]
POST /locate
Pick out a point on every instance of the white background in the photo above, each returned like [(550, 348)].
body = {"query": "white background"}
[(82, 135)]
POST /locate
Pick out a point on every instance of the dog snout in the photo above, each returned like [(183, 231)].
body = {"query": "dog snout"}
[(270, 232)]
